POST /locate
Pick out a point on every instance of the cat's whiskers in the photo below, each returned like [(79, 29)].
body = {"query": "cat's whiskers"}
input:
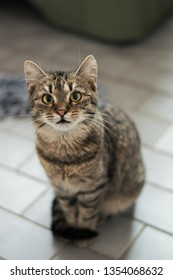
[(42, 129), (104, 114), (23, 116), (92, 124), (100, 122), (109, 130), (97, 126), (85, 127)]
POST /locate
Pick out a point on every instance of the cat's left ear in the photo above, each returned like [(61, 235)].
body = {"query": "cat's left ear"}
[(33, 73), (88, 71)]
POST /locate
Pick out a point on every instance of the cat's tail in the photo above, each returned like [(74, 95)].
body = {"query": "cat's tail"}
[(61, 228), (13, 97), (71, 233)]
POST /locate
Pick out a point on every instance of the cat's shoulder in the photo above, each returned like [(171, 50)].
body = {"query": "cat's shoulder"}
[(108, 110), (118, 121)]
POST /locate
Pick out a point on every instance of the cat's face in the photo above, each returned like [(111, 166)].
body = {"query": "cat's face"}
[(62, 100)]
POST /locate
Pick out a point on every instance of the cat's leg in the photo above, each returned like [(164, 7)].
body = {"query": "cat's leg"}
[(88, 217), (59, 223), (68, 204), (89, 204), (61, 226)]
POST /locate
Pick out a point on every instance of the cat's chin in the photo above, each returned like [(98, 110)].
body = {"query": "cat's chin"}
[(62, 126)]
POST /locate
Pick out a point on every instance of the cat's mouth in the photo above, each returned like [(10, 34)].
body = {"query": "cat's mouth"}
[(62, 121)]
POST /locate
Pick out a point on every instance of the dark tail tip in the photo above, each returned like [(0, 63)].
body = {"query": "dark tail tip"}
[(78, 233), (75, 233)]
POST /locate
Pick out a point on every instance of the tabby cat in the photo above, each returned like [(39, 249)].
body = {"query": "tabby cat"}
[(90, 151)]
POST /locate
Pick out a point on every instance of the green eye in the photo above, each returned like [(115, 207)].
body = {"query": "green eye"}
[(47, 99), (76, 96)]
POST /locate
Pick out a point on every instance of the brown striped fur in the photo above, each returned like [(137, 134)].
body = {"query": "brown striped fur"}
[(90, 151)]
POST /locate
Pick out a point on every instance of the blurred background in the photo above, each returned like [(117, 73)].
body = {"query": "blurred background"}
[(132, 42)]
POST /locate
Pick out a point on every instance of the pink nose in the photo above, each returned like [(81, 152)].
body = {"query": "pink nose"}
[(62, 112)]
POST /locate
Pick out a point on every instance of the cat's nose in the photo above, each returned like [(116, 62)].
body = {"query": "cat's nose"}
[(61, 112)]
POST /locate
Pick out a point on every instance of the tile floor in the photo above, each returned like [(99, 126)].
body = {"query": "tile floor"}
[(140, 79)]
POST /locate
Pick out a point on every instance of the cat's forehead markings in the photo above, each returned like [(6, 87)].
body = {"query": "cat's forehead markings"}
[(46, 87), (66, 87), (74, 85)]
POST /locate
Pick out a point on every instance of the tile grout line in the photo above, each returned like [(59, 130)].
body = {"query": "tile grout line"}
[(161, 131), (137, 85), (58, 252), (153, 115), (24, 218), (34, 202), (149, 225), (157, 186), (24, 162), (158, 151), (130, 218), (162, 151), (132, 241), (89, 249), (7, 129), (19, 172)]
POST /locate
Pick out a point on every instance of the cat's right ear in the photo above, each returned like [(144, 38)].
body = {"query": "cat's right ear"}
[(33, 74)]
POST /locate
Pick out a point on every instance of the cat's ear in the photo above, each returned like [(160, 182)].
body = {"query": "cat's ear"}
[(88, 70), (33, 73)]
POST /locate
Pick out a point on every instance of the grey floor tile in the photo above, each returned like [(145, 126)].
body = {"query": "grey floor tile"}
[(72, 252), (151, 245), (40, 211), (23, 127), (17, 191), (113, 64), (165, 141), (153, 78), (34, 168), (7, 123), (158, 105), (151, 57), (115, 237), (23, 240), (148, 127), (165, 83), (158, 168), (14, 148), (154, 206), (125, 96)]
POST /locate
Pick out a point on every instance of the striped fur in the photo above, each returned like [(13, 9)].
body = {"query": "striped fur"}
[(90, 152)]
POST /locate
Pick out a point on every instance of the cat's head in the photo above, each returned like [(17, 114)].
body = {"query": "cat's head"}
[(62, 100)]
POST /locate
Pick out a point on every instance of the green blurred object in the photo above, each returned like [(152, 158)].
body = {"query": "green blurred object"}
[(114, 20)]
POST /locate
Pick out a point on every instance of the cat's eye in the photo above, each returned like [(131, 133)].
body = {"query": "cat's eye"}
[(47, 99), (75, 96)]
